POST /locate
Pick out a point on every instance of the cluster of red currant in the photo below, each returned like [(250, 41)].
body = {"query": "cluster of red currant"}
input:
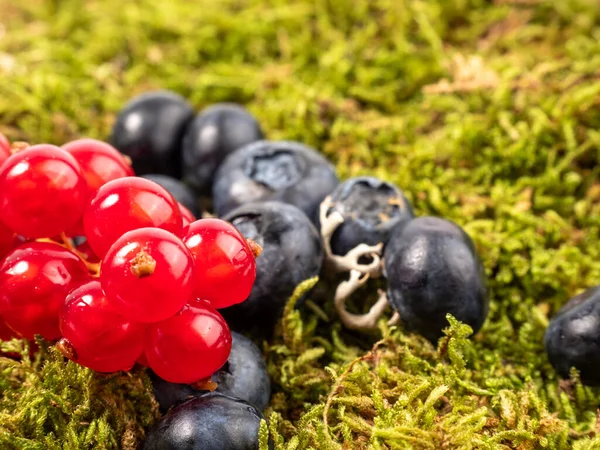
[(144, 285)]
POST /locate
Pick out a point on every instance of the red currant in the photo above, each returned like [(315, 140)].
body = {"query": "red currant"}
[(225, 264), (35, 279), (5, 332), (99, 161), (189, 346), (7, 240), (186, 215), (4, 148), (94, 335), (142, 360), (42, 191), (148, 274), (126, 204)]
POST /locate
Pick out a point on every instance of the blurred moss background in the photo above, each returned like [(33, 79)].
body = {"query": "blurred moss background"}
[(484, 112)]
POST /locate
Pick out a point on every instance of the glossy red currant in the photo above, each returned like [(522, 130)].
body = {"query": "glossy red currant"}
[(186, 215), (189, 346), (42, 191), (4, 148), (126, 204), (96, 336), (5, 332), (225, 264), (99, 161), (35, 279), (7, 240), (148, 274)]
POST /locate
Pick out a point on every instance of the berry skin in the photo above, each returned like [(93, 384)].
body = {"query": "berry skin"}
[(371, 209), (213, 134), (432, 269), (178, 190), (289, 172), (94, 335), (572, 338), (226, 268), (243, 376), (189, 346), (149, 130), (5, 332), (42, 191), (148, 275), (127, 204), (8, 240), (292, 252), (186, 216), (211, 422), (99, 161), (4, 148), (35, 279)]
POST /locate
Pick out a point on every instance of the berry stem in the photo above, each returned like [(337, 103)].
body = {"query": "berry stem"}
[(65, 347), (256, 249), (67, 242), (17, 146), (205, 385)]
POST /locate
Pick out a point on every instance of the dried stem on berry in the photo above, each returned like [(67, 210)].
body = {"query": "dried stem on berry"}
[(205, 385), (359, 321), (66, 349), (93, 268), (142, 265), (256, 249), (330, 221), (17, 146)]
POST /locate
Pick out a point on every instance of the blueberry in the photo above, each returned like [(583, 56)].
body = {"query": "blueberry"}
[(433, 269), (210, 137), (572, 338), (211, 422), (266, 170), (182, 193), (244, 376), (149, 130), (292, 252), (371, 209)]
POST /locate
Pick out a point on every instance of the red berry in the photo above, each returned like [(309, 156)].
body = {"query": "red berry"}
[(42, 191), (142, 360), (8, 240), (225, 264), (4, 148), (94, 335), (5, 332), (127, 204), (148, 274), (186, 215), (189, 346), (35, 279), (99, 161)]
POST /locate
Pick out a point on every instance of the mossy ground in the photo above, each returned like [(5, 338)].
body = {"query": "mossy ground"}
[(484, 112)]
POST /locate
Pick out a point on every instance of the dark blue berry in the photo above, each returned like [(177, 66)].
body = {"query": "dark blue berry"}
[(182, 193), (243, 376), (211, 422), (212, 135), (267, 170), (572, 338), (371, 209), (149, 130), (433, 269), (292, 252)]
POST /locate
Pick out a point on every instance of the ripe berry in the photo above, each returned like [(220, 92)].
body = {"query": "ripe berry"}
[(149, 130), (178, 190), (99, 161), (42, 191), (371, 208), (211, 422), (213, 134), (291, 253), (8, 240), (225, 263), (186, 216), (148, 274), (571, 338), (432, 269), (94, 335), (126, 204), (189, 346), (5, 332), (266, 170), (35, 279), (4, 148), (243, 376)]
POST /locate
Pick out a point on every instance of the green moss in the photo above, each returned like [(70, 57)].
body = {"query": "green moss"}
[(511, 154)]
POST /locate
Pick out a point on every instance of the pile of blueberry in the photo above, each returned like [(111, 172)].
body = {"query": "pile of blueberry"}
[(118, 269)]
